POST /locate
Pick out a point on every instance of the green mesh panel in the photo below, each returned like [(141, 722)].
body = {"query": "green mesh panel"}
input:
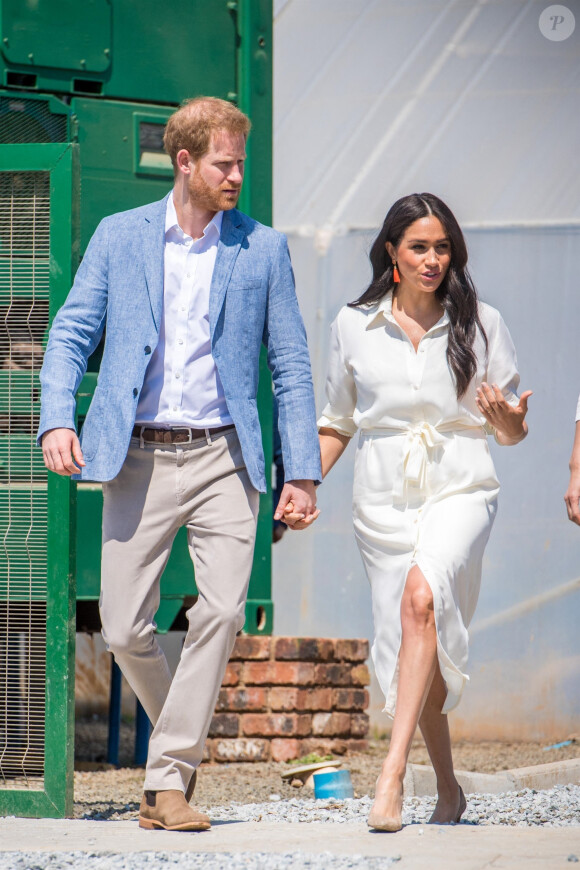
[(24, 294), (23, 120)]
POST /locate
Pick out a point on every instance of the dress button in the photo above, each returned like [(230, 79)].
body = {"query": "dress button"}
[(177, 375), (135, 391), (147, 349)]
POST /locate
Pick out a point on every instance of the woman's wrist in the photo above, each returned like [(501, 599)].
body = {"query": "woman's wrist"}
[(510, 440)]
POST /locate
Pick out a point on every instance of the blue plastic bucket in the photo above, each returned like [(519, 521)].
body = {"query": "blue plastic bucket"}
[(334, 784)]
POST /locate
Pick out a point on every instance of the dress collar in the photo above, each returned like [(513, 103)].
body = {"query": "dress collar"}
[(383, 310)]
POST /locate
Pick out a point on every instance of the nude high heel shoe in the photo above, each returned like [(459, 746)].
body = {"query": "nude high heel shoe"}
[(462, 806), (388, 824), (457, 818)]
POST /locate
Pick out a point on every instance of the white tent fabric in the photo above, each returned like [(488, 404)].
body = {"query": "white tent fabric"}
[(376, 98)]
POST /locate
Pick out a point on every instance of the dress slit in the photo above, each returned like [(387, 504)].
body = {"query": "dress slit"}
[(453, 677)]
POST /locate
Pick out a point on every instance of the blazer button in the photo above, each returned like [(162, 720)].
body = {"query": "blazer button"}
[(135, 391), (147, 349)]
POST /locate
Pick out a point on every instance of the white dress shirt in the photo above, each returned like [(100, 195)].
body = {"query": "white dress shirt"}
[(182, 386)]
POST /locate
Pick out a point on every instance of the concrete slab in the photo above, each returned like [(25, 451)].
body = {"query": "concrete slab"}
[(420, 779), (546, 775), (419, 847)]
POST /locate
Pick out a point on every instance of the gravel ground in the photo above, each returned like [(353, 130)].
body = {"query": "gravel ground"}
[(111, 793), (555, 807), (185, 861)]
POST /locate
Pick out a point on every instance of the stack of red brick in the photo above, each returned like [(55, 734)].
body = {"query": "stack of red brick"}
[(285, 697)]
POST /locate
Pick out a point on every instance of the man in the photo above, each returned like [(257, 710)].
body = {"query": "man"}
[(572, 497), (188, 289)]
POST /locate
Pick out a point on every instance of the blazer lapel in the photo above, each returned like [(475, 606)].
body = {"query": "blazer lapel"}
[(231, 238), (153, 240)]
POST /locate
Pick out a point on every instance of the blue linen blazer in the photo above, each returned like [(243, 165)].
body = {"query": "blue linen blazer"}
[(119, 285)]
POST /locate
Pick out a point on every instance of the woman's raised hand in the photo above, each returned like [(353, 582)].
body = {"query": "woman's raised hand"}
[(507, 420)]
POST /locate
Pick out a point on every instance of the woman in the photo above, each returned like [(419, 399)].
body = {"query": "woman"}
[(424, 371)]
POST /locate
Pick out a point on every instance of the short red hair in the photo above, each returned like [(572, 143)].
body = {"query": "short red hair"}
[(194, 123)]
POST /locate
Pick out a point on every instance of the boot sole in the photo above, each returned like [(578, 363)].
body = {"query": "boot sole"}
[(153, 825)]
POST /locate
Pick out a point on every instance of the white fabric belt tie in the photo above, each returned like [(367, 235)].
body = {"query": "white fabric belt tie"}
[(420, 441)]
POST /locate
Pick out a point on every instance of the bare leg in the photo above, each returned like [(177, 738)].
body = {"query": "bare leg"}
[(435, 730), (417, 666)]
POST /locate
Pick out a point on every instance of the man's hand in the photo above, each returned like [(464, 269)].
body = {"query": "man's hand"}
[(61, 450), (302, 496)]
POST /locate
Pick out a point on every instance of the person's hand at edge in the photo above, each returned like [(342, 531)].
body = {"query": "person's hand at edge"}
[(572, 497)]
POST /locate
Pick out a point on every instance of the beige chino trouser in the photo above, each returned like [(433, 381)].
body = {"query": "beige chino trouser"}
[(205, 487)]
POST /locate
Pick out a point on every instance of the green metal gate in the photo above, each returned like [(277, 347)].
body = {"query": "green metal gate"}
[(38, 254)]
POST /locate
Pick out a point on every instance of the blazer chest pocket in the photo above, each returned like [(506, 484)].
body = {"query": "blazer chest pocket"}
[(239, 285)]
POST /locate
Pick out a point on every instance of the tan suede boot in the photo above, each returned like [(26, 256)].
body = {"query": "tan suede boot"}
[(169, 811), (191, 787)]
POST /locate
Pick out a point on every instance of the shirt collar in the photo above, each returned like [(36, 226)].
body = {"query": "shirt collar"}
[(172, 224), (384, 311)]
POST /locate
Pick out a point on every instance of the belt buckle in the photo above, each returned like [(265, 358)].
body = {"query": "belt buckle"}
[(184, 429)]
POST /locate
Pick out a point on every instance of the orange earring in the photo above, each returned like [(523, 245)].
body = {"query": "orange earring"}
[(396, 276)]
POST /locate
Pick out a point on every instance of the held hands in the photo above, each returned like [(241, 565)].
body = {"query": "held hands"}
[(61, 449), (296, 521), (508, 421), (297, 505)]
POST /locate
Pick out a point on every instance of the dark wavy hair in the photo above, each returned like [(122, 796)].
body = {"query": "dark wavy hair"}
[(456, 293)]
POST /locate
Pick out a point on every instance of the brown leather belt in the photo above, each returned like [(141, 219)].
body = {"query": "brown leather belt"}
[(177, 435)]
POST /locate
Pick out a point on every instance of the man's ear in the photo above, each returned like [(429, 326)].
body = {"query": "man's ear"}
[(184, 162)]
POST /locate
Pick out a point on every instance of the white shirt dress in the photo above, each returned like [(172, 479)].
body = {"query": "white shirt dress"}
[(425, 487)]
